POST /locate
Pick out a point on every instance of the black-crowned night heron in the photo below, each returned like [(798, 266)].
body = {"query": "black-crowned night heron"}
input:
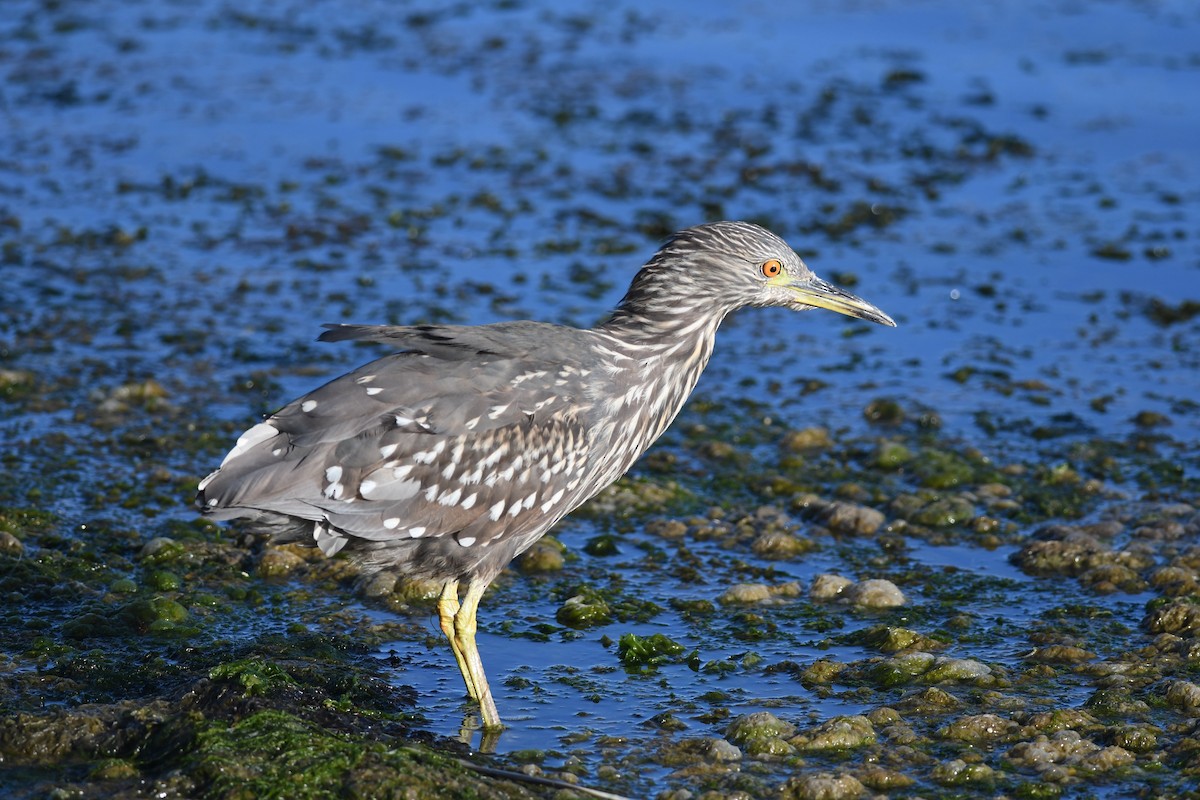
[(447, 458)]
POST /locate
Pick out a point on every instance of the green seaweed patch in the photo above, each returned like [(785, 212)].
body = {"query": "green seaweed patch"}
[(644, 654), (274, 754), (255, 676)]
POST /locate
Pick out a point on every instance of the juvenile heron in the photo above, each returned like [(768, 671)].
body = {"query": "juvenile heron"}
[(447, 458)]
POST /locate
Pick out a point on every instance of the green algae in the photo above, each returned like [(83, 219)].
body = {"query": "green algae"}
[(647, 653)]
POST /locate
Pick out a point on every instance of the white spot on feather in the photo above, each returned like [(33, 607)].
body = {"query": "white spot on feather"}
[(391, 522), (427, 456), (496, 411), (450, 498), (308, 405), (416, 532), (470, 501), (259, 433), (495, 511), (546, 506), (373, 390), (467, 541), (364, 379), (387, 450)]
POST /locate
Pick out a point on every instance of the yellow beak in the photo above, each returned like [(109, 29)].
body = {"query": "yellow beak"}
[(822, 294)]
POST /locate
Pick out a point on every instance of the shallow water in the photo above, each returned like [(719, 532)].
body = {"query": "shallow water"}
[(188, 191)]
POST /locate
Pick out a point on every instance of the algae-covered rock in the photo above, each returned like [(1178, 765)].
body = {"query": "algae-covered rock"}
[(780, 545), (980, 729), (583, 611), (381, 584), (882, 779), (823, 786), (1046, 751), (836, 734), (945, 512), (957, 772), (759, 725), (278, 562), (815, 438), (162, 550), (891, 455), (1179, 617), (958, 669), (546, 555), (1184, 695), (930, 701), (1060, 654), (893, 639)]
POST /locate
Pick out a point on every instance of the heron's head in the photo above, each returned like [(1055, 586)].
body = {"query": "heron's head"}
[(722, 266)]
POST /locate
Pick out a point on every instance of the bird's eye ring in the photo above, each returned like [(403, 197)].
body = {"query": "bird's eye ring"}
[(772, 268)]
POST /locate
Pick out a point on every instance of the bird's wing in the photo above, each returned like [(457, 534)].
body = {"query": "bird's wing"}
[(455, 435)]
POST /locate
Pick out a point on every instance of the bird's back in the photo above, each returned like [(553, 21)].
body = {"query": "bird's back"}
[(465, 438)]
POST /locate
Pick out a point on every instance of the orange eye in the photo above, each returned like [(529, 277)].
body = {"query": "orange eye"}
[(772, 268)]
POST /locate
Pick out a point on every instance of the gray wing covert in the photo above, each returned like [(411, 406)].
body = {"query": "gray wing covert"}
[(451, 437)]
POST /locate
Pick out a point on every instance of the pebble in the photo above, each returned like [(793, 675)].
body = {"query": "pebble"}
[(851, 518), (745, 593), (828, 587), (380, 584), (875, 593), (10, 545), (1184, 694)]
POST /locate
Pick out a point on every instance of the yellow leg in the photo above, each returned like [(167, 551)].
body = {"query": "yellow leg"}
[(447, 606), (464, 642)]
